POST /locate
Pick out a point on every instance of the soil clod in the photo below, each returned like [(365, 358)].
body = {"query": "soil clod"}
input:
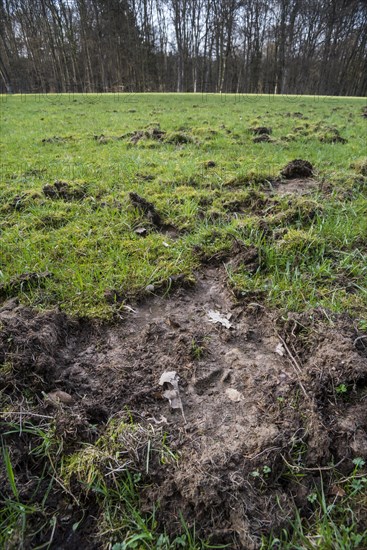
[(147, 208), (261, 130), (154, 133), (263, 138), (297, 169), (65, 191)]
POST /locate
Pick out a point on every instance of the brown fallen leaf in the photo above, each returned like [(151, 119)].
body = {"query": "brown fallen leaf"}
[(337, 491)]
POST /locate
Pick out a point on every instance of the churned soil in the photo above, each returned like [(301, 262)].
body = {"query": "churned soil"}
[(259, 394)]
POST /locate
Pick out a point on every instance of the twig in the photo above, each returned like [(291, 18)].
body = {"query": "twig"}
[(323, 468), (359, 338), (261, 453), (296, 367)]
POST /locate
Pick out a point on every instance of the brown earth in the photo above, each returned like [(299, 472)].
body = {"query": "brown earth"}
[(296, 186), (297, 168), (260, 402)]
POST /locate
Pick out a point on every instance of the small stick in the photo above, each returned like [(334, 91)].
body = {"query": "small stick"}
[(296, 367), (359, 338), (323, 468)]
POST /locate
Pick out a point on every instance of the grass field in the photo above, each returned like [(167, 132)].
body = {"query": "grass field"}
[(87, 241), (77, 237)]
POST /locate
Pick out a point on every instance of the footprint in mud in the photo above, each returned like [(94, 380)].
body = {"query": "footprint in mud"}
[(207, 381)]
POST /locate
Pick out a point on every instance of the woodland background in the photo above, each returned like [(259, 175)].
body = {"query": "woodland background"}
[(238, 46)]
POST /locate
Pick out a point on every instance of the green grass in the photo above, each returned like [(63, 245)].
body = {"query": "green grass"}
[(332, 524), (90, 245)]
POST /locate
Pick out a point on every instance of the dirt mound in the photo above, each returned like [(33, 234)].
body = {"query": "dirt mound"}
[(297, 169), (260, 399), (151, 133), (332, 136), (263, 138), (65, 191), (260, 130)]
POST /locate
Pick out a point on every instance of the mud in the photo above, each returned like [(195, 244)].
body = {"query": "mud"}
[(260, 400), (296, 186)]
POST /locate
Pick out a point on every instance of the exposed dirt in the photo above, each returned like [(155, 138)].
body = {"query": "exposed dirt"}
[(152, 133), (296, 186), (259, 394), (263, 138), (65, 191), (19, 202), (297, 168), (260, 130)]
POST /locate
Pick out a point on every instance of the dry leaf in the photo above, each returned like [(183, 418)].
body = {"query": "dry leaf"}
[(216, 317), (337, 491), (234, 395), (169, 381), (280, 350)]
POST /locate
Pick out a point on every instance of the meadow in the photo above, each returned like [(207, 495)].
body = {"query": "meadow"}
[(125, 219), (313, 253)]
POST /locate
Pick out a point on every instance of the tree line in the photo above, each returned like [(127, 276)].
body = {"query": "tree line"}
[(238, 46)]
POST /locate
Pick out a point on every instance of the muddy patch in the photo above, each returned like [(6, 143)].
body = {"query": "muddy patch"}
[(259, 400), (296, 186)]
